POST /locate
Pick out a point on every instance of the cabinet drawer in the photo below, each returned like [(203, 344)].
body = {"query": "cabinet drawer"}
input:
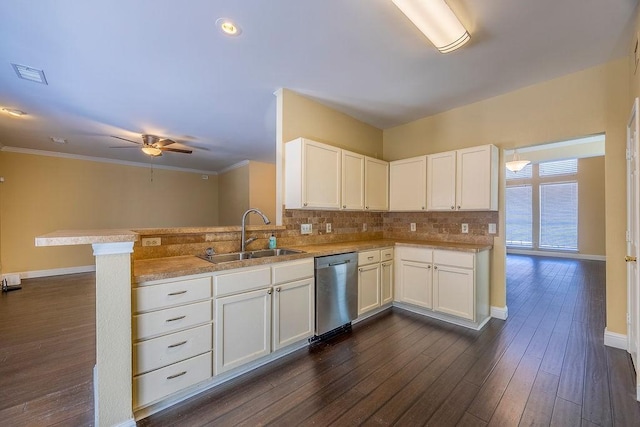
[(454, 258), (147, 298), (292, 270), (162, 351), (386, 254), (171, 319), (368, 257), (162, 382), (241, 281), (414, 254)]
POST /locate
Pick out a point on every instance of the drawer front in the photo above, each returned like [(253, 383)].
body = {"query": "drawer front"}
[(368, 257), (162, 382), (292, 270), (241, 281), (163, 351), (414, 254), (171, 319), (454, 258), (147, 298), (386, 254)]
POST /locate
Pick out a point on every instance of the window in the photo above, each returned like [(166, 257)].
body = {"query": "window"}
[(542, 206)]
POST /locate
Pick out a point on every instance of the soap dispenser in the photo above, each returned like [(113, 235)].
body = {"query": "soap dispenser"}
[(272, 241)]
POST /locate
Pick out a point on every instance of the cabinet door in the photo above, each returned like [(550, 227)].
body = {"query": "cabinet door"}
[(243, 328), (376, 182), (408, 184), (368, 288), (477, 178), (414, 283), (441, 181), (386, 282), (453, 291), (321, 176), (293, 312), (352, 180)]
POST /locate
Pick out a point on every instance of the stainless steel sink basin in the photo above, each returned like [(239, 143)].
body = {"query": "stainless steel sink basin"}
[(239, 256)]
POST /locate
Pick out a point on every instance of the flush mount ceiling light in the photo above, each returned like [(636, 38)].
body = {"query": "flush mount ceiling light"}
[(228, 27), (516, 165), (29, 73), (13, 112), (151, 151), (436, 21), (58, 140)]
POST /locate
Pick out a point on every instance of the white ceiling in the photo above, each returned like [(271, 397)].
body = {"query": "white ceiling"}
[(122, 67)]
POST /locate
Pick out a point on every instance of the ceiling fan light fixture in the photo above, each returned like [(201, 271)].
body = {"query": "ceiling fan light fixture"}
[(228, 27), (151, 151), (14, 112), (516, 165), (437, 22)]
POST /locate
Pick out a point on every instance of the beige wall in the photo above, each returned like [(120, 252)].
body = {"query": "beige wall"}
[(591, 206), (252, 185), (42, 194), (310, 119), (584, 103)]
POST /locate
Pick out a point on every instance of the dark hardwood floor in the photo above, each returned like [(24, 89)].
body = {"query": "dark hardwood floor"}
[(545, 365)]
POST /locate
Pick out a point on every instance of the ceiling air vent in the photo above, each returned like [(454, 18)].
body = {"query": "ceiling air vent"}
[(29, 73)]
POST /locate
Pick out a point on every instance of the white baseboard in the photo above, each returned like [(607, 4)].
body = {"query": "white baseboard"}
[(615, 340), (500, 312), (554, 254), (54, 272)]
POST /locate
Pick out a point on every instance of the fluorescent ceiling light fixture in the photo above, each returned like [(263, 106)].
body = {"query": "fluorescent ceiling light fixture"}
[(13, 112), (228, 27), (436, 21), (516, 165), (152, 151), (29, 73)]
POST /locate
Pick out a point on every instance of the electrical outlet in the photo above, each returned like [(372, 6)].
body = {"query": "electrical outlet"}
[(465, 228), (151, 241), (205, 177), (413, 226), (492, 228), (328, 227), (364, 226), (306, 229)]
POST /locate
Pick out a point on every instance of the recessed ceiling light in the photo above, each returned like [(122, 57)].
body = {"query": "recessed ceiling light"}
[(58, 140), (13, 112), (228, 27), (29, 73)]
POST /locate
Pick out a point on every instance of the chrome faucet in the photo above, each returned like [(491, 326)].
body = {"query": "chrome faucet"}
[(243, 242)]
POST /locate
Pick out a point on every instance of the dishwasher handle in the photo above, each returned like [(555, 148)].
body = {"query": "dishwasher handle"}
[(332, 264)]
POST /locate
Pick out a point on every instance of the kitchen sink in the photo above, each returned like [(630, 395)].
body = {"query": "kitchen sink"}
[(239, 256)]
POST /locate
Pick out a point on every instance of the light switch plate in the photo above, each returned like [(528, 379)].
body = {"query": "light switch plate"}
[(492, 228), (306, 229), (465, 228), (328, 227), (413, 226)]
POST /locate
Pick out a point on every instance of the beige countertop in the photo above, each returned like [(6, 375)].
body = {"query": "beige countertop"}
[(165, 268), (85, 237)]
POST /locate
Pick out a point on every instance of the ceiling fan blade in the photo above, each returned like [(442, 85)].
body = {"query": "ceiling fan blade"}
[(125, 139), (176, 150), (164, 142), (121, 146)]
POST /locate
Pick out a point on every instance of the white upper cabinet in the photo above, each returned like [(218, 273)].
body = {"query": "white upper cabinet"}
[(353, 167), (441, 181), (376, 184), (477, 178), (312, 175), (408, 184), (463, 179)]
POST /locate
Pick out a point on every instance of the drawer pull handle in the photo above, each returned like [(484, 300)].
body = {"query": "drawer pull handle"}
[(370, 257), (177, 293), (170, 377), (177, 344), (176, 318)]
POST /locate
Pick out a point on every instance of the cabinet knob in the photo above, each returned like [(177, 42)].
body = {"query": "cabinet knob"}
[(360, 269), (453, 207), (277, 289), (366, 207), (428, 267), (435, 267), (344, 206), (304, 204), (458, 207), (423, 208), (269, 291)]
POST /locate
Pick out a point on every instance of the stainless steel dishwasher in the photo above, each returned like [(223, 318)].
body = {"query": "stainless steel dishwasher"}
[(336, 291)]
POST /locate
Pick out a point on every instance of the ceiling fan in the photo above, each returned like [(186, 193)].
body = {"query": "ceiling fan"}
[(154, 145)]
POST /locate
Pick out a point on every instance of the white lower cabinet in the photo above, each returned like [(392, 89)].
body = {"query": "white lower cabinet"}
[(454, 283), (375, 279), (252, 324)]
